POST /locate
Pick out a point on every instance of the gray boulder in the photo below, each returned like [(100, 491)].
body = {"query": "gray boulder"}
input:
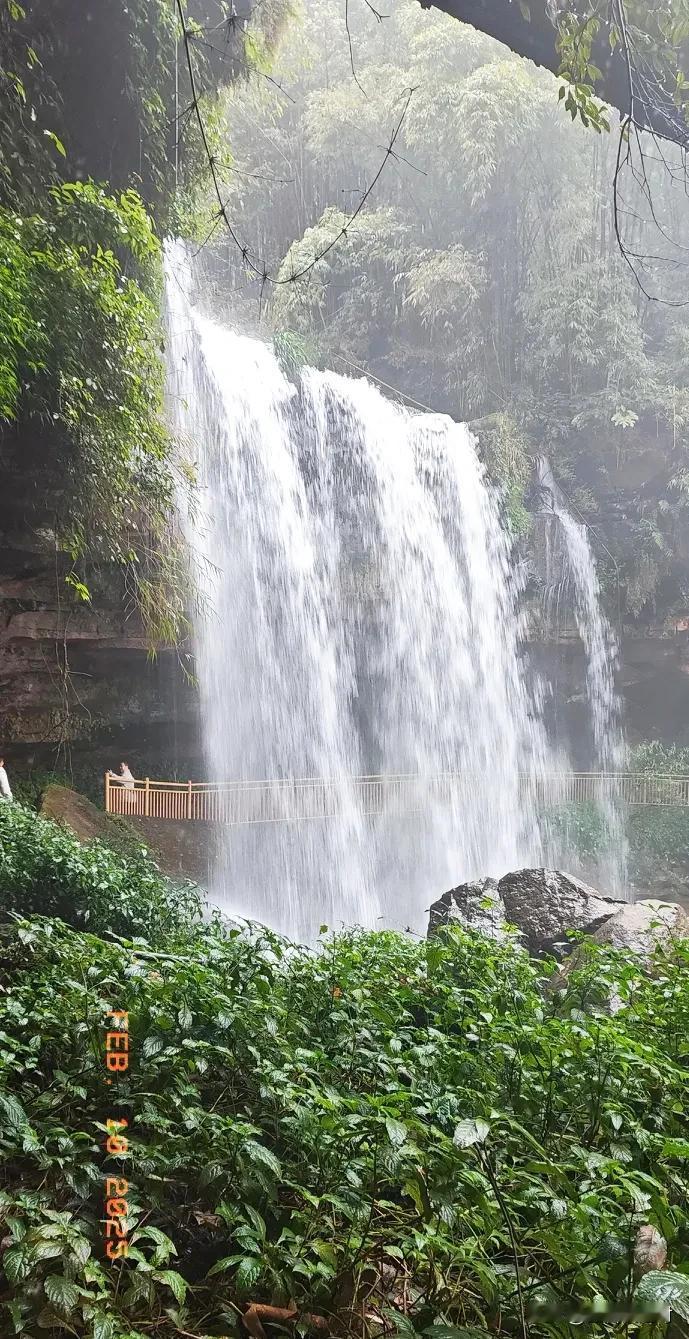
[(640, 927), (542, 903), (546, 903), (476, 906)]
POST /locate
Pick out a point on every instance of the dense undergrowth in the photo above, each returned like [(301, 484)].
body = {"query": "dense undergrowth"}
[(380, 1136), (46, 871)]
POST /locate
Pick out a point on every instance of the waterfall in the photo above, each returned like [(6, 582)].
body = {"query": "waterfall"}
[(581, 583), (364, 621)]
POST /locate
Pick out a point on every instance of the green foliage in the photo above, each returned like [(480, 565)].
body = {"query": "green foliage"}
[(80, 370), (578, 827), (640, 36), (575, 44), (54, 114), (79, 339), (663, 759), (658, 835), (45, 870), (80, 367), (505, 449), (410, 1133), (294, 352), (29, 150)]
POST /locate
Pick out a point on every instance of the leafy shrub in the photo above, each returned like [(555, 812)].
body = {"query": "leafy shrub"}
[(395, 1136), (79, 361), (294, 352), (659, 832), (46, 871)]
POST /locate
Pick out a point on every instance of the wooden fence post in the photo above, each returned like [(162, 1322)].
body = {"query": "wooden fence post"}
[(189, 800), (147, 798), (107, 792)]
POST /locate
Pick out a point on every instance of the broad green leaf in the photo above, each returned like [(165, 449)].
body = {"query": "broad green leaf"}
[(259, 1153), (46, 1250), (12, 1111), (153, 1045), (664, 1292), (61, 1293), (397, 1131), (57, 142), (470, 1132), (175, 1282), (103, 1327), (247, 1273), (16, 1263)]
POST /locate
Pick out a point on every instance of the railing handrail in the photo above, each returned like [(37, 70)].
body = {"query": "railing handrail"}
[(346, 779), (287, 799)]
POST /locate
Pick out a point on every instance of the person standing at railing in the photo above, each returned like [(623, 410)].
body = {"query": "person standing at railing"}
[(5, 791), (125, 779)]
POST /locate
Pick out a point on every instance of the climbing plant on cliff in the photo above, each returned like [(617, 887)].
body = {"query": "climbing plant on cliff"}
[(80, 372), (99, 148)]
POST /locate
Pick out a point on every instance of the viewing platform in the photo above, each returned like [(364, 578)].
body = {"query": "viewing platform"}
[(238, 803)]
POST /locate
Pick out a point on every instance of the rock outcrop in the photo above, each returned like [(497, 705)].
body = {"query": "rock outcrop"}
[(477, 906), (640, 927), (547, 903), (544, 904), (76, 677), (84, 819)]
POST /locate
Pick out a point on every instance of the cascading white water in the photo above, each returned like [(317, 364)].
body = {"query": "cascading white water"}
[(365, 622), (601, 655)]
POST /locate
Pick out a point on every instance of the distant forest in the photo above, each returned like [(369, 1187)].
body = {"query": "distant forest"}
[(482, 277)]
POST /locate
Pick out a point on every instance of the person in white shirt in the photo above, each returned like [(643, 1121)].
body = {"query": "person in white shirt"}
[(123, 777), (5, 791)]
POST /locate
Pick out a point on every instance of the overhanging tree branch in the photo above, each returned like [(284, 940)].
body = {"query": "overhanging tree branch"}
[(534, 30)]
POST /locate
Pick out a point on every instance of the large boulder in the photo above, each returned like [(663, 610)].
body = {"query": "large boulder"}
[(476, 906), (544, 904), (640, 927)]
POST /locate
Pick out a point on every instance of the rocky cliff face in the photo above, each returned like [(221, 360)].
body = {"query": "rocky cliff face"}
[(77, 679)]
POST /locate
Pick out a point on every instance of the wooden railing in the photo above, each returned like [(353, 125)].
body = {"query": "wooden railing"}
[(242, 802)]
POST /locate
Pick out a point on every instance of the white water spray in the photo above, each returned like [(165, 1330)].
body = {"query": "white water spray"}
[(365, 622), (601, 655)]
